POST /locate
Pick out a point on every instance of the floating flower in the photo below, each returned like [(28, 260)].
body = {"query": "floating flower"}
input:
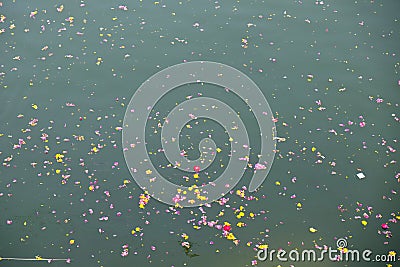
[(60, 8), (230, 236), (143, 200), (59, 157), (185, 244), (125, 251), (260, 166), (185, 236), (196, 168), (227, 227)]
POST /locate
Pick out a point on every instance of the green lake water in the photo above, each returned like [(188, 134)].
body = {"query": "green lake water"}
[(325, 67)]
